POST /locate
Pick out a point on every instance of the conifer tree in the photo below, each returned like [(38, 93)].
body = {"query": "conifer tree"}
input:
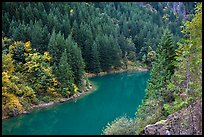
[(75, 60), (94, 61), (187, 79), (162, 68), (65, 73)]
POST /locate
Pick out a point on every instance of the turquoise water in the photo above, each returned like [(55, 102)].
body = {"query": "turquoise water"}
[(116, 95)]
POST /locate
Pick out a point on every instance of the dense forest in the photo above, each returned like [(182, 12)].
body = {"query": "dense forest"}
[(175, 85), (47, 48)]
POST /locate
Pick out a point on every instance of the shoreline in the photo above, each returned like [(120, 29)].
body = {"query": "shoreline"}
[(88, 90), (90, 75), (61, 100)]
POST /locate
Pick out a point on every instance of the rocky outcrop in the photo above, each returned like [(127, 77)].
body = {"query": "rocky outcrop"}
[(156, 129), (183, 122), (176, 7)]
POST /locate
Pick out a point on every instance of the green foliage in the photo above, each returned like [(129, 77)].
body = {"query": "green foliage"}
[(186, 82), (119, 24), (99, 37), (162, 68), (148, 113), (168, 108), (94, 60), (64, 68), (180, 84), (7, 63), (151, 55), (28, 82), (120, 126), (75, 60)]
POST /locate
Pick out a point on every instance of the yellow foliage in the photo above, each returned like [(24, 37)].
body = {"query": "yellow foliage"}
[(28, 92), (11, 47), (27, 46), (55, 94), (71, 12), (5, 79), (35, 57), (46, 56), (14, 87), (26, 54), (4, 89), (46, 53), (7, 63), (50, 89), (75, 88), (11, 104), (31, 66), (47, 71), (55, 81), (16, 77), (35, 65)]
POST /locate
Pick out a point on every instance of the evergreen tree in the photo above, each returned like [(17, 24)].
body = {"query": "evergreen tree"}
[(75, 60), (94, 60), (64, 68), (56, 44), (104, 50), (187, 79), (162, 68), (115, 52)]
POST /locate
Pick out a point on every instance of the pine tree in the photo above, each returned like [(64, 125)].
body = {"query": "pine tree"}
[(56, 45), (105, 52), (75, 60), (52, 45), (162, 68), (94, 60), (65, 73), (36, 37), (115, 52)]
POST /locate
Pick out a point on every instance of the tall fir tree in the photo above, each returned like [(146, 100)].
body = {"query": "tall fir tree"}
[(95, 60), (64, 68), (162, 68)]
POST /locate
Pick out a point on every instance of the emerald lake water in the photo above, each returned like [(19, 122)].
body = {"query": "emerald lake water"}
[(115, 95)]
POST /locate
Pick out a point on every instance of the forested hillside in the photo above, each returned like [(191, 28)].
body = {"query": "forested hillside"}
[(47, 47), (173, 102), (106, 33)]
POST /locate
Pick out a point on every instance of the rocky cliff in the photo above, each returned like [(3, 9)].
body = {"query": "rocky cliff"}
[(183, 122), (178, 8)]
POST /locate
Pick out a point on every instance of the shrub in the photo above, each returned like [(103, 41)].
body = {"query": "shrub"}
[(120, 126)]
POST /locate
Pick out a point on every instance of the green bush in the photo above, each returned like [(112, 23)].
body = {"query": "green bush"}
[(120, 126), (46, 99)]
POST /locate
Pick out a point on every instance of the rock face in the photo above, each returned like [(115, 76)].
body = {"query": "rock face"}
[(183, 122), (176, 7), (156, 129)]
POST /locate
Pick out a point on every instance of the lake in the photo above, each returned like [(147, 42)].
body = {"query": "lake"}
[(115, 95)]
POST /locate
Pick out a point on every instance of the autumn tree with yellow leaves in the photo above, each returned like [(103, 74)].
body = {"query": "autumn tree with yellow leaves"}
[(28, 79)]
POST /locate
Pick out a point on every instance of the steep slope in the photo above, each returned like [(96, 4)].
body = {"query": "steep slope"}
[(174, 91), (184, 122)]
